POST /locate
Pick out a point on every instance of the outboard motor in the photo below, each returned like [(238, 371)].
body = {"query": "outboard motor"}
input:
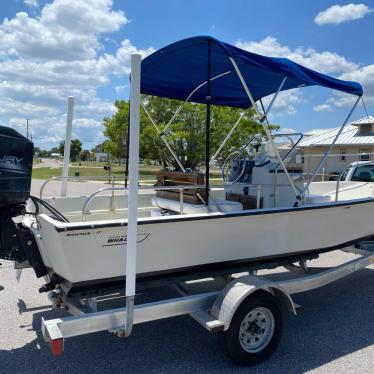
[(16, 153), (17, 243)]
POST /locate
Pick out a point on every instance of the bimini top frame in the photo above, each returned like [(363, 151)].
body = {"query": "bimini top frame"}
[(206, 70), (177, 69)]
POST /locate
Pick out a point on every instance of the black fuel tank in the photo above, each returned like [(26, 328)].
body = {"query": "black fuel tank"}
[(16, 154)]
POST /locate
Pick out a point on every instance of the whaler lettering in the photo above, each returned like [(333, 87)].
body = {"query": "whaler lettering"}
[(122, 239), (117, 239)]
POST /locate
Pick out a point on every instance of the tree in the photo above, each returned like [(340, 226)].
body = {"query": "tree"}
[(99, 148), (75, 148), (39, 152), (43, 153), (85, 155), (54, 150), (36, 151), (186, 135), (116, 131)]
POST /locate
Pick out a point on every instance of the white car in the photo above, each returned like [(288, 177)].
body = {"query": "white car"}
[(359, 171)]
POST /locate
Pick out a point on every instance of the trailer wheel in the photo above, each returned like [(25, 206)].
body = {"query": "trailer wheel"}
[(254, 331)]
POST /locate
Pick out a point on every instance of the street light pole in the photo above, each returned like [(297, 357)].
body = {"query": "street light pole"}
[(27, 128)]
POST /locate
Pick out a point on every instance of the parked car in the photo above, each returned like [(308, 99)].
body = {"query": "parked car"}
[(359, 171)]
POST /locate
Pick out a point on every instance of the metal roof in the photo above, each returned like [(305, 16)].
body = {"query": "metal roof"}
[(367, 120), (349, 136)]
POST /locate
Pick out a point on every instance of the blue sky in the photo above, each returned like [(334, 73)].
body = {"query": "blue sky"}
[(52, 49)]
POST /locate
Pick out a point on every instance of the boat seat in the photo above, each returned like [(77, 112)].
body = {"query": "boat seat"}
[(216, 205), (317, 199)]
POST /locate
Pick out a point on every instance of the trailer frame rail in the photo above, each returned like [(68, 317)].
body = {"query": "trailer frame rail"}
[(213, 310)]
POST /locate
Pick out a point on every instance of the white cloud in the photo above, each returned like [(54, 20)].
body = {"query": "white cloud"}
[(87, 123), (31, 3), (286, 130), (55, 54), (88, 16), (337, 14), (96, 106), (268, 46), (364, 75), (120, 89), (341, 100), (322, 108), (119, 63), (285, 103), (65, 30), (325, 62)]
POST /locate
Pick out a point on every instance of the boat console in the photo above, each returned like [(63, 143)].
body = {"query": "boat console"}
[(264, 182), (257, 180)]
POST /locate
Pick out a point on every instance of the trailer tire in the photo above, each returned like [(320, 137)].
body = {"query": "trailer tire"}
[(255, 330)]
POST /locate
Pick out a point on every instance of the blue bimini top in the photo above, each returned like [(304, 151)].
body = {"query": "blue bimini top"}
[(176, 70)]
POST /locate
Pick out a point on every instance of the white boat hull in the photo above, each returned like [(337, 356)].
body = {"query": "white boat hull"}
[(95, 251)]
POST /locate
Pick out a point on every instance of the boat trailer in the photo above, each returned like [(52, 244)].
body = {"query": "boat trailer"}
[(245, 310)]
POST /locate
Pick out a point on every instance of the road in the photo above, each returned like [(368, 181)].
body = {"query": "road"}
[(48, 163), (53, 188), (333, 333)]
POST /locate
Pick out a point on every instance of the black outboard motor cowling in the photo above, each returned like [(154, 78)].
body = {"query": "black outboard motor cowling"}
[(16, 153), (17, 243)]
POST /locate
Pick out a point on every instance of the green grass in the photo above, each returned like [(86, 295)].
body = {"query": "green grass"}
[(146, 172), (46, 173)]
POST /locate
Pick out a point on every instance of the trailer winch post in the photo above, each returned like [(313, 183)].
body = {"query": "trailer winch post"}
[(132, 226)]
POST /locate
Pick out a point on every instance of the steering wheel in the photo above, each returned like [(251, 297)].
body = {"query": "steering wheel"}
[(233, 168)]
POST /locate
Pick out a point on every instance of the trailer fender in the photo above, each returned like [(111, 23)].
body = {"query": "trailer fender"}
[(228, 301)]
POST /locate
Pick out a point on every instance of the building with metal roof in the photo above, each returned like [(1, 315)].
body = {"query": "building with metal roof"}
[(355, 143), (354, 133)]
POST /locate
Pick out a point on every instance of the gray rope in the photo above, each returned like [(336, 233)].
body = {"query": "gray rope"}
[(363, 103)]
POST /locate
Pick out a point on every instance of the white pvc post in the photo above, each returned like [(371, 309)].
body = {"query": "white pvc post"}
[(132, 227), (69, 125)]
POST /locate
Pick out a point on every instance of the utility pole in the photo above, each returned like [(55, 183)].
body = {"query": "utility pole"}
[(27, 128)]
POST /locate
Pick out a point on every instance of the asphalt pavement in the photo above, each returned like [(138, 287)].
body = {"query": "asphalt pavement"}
[(332, 333), (53, 187), (48, 162)]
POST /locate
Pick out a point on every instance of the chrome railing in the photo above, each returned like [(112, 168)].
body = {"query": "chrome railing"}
[(92, 196), (157, 188), (180, 188)]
